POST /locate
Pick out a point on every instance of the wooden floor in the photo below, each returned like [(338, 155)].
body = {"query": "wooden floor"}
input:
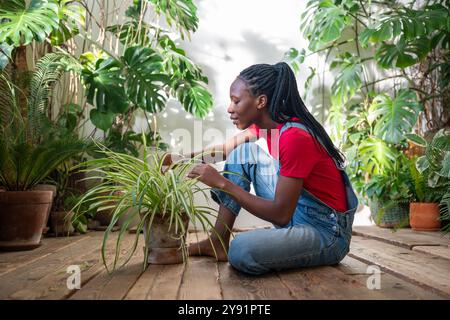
[(414, 265)]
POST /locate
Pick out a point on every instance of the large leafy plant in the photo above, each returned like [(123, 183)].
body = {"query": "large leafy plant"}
[(22, 22), (149, 69), (364, 44), (431, 172), (139, 187), (29, 148)]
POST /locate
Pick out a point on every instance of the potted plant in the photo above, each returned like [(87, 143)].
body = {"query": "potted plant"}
[(29, 151), (389, 195), (163, 200), (431, 176)]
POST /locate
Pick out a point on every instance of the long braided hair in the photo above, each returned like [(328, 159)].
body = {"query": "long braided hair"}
[(278, 83)]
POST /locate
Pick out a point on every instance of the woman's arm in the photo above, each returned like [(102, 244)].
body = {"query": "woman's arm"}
[(278, 211), (222, 149)]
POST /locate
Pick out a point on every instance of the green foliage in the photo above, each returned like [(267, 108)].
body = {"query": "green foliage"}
[(324, 20), (181, 13), (348, 80), (29, 147), (145, 78), (430, 173), (23, 23), (395, 117), (71, 16), (372, 124), (139, 187)]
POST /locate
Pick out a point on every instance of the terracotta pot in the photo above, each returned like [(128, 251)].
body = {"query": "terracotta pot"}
[(46, 187), (105, 216), (424, 216), (164, 246), (22, 216), (61, 223)]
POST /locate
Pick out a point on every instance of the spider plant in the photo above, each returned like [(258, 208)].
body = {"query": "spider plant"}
[(139, 187)]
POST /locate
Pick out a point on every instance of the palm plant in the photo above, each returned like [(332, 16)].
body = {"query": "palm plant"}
[(29, 148), (139, 188)]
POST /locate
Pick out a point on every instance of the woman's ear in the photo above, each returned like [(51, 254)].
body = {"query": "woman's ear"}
[(261, 102)]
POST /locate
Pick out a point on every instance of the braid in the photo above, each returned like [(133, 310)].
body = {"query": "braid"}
[(278, 83)]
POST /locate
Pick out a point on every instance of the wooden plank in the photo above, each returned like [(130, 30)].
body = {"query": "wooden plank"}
[(406, 238), (10, 261), (428, 272), (114, 286), (26, 275), (237, 285), (53, 286), (167, 284), (326, 282), (200, 280), (438, 251), (391, 286), (143, 286)]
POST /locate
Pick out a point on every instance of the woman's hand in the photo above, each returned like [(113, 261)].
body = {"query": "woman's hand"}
[(208, 175)]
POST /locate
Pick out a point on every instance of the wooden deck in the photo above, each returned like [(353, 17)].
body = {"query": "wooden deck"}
[(414, 265)]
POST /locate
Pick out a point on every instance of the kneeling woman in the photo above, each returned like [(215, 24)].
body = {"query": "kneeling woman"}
[(301, 187)]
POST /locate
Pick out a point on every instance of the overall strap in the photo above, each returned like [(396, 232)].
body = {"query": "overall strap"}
[(288, 125)]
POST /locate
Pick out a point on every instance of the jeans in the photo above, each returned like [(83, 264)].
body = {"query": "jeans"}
[(316, 235)]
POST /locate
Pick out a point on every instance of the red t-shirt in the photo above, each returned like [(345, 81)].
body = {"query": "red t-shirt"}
[(301, 157)]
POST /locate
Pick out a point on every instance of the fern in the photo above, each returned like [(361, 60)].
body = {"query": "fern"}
[(418, 180), (48, 71)]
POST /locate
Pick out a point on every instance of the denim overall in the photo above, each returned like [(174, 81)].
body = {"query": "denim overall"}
[(316, 234)]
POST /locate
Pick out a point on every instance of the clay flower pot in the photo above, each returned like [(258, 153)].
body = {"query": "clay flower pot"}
[(164, 246), (424, 216), (61, 223), (47, 187), (22, 217)]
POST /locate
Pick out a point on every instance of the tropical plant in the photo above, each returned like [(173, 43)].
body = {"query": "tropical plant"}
[(365, 44), (431, 172), (25, 21), (29, 150), (137, 187), (391, 189), (149, 70)]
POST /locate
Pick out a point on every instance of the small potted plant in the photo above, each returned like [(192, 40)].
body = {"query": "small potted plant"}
[(431, 176), (389, 195), (163, 200)]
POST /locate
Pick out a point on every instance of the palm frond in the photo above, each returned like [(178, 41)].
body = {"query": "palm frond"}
[(49, 70)]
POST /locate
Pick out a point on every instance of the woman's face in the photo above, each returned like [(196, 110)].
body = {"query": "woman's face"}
[(243, 108)]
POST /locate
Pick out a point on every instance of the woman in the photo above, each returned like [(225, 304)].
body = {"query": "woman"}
[(300, 187)]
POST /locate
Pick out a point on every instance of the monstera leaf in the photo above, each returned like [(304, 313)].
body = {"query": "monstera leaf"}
[(145, 78), (402, 54), (187, 82), (394, 117), (348, 80), (195, 98), (406, 22), (23, 23), (376, 156), (105, 85), (182, 13), (71, 17), (324, 20)]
